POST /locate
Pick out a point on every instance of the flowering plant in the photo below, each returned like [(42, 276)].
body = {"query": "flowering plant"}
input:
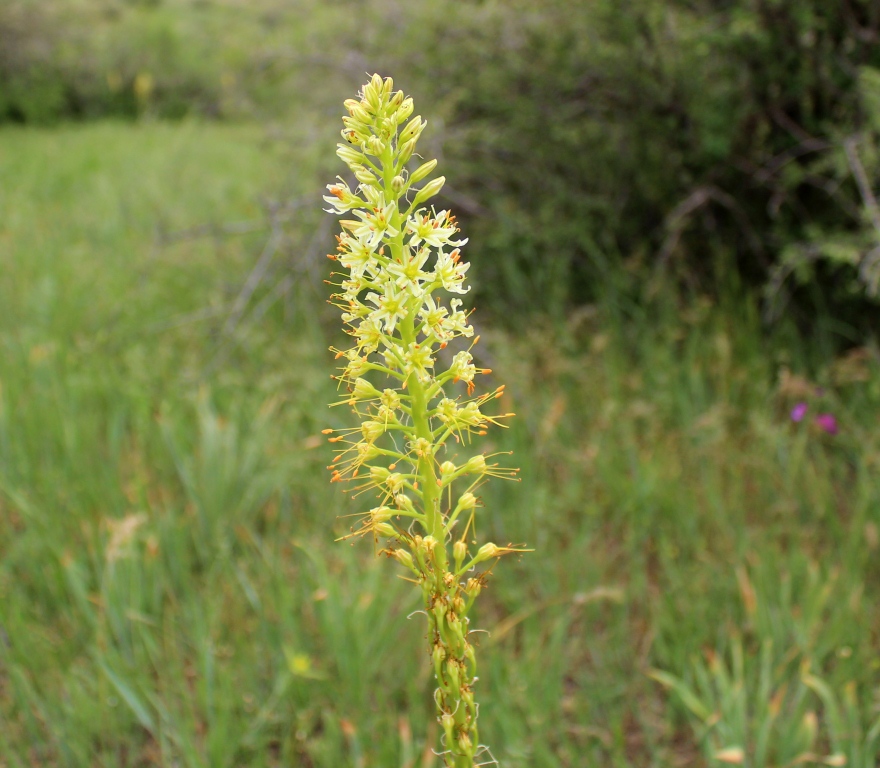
[(400, 257)]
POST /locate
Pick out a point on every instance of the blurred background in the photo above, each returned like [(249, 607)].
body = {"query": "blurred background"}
[(675, 238)]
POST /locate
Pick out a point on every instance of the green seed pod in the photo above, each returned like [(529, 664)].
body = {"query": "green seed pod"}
[(452, 673), (448, 723), (404, 558)]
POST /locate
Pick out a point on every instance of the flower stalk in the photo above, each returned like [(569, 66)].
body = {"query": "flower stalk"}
[(401, 261)]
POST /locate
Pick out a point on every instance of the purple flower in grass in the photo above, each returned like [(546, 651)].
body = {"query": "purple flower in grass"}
[(798, 412), (827, 422)]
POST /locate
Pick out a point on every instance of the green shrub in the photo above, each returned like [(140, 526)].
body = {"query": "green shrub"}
[(697, 138)]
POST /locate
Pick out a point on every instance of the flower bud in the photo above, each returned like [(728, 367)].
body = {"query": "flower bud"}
[(423, 170), (364, 176), (398, 183), (429, 190), (372, 92), (359, 113), (405, 152), (404, 111), (459, 552), (348, 155), (396, 100), (428, 543), (447, 468), (412, 130), (375, 145)]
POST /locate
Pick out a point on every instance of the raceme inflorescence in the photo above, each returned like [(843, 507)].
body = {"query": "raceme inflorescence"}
[(399, 296)]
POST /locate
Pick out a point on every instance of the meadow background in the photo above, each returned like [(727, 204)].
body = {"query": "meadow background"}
[(675, 239)]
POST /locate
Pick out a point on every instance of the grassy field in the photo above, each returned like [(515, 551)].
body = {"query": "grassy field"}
[(705, 570)]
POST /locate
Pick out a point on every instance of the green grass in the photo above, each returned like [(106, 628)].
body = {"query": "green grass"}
[(170, 587)]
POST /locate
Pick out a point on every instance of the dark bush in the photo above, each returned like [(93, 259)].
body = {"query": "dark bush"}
[(692, 138)]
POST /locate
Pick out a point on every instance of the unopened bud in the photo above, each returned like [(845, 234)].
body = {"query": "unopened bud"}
[(348, 155), (364, 176), (398, 183), (447, 468), (412, 130), (404, 111), (423, 170), (375, 145), (459, 551), (405, 151), (429, 190), (473, 587)]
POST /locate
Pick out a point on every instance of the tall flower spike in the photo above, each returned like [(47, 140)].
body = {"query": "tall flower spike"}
[(417, 417)]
